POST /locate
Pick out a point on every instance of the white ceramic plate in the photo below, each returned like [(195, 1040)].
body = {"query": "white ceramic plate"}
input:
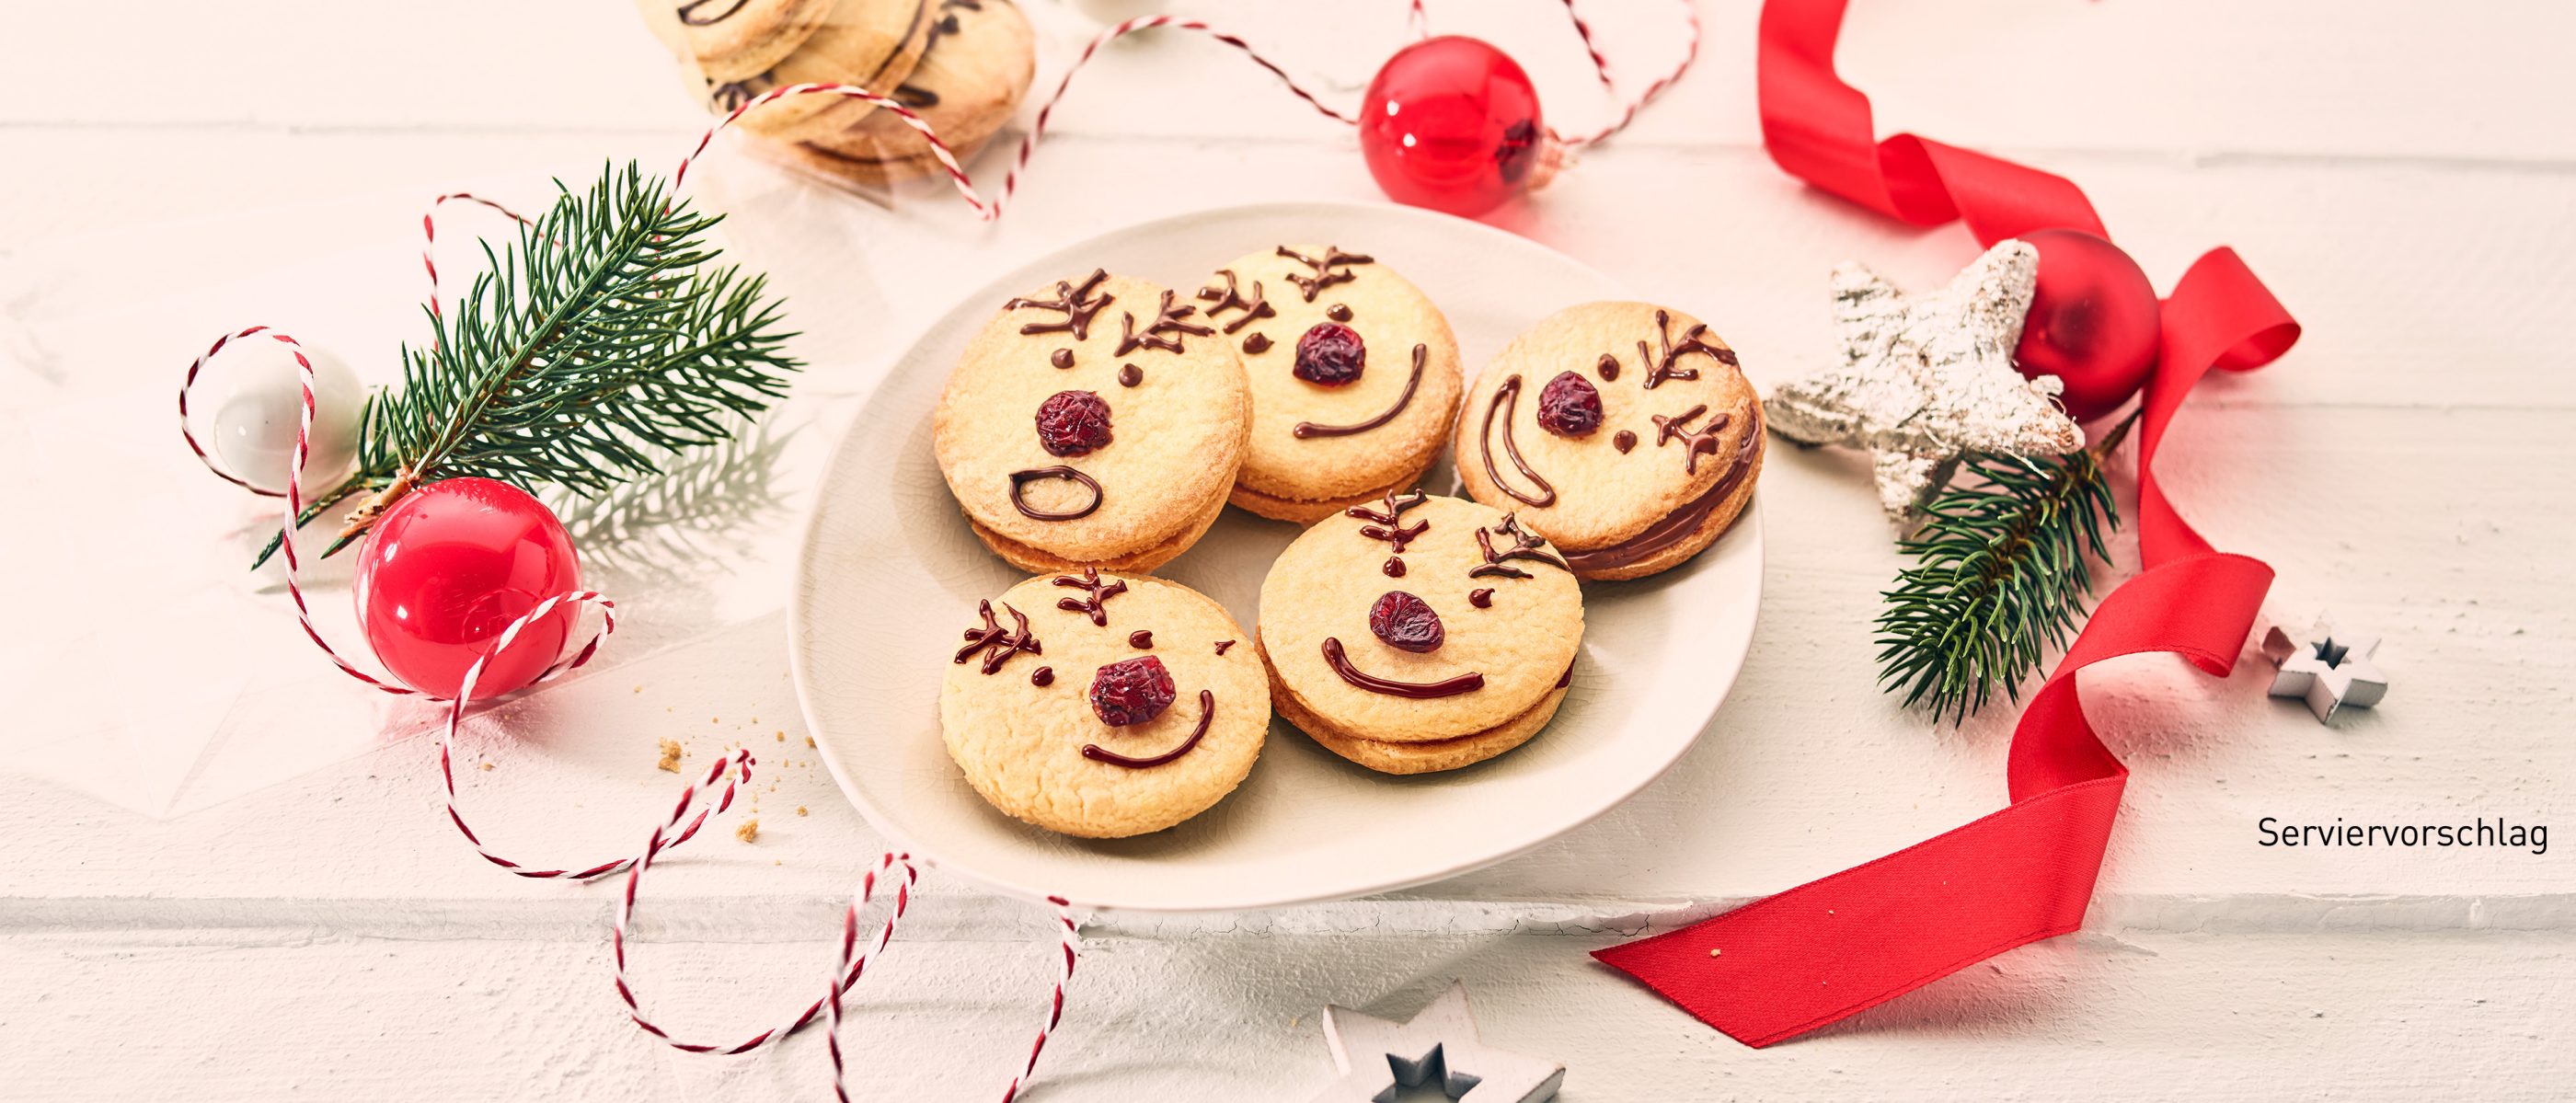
[(889, 570)]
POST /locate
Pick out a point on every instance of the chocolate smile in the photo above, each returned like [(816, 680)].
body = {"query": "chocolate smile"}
[(1340, 661), (1307, 429), (1506, 403), (1207, 711)]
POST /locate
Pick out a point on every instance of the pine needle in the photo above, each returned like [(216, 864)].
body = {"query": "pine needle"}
[(2002, 568), (603, 340)]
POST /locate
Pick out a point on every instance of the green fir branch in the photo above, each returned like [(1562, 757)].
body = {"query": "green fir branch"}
[(603, 341), (2002, 568)]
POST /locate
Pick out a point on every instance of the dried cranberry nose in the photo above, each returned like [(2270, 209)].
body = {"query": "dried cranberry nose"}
[(1568, 406), (1330, 354), (1072, 423), (1406, 623), (1131, 691)]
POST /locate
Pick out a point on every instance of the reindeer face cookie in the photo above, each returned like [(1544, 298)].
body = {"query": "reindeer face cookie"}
[(1095, 422), (1623, 432), (1103, 705), (1419, 633), (1354, 377)]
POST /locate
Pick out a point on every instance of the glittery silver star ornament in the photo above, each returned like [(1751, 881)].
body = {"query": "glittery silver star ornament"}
[(1379, 1059), (1926, 378), (2327, 669)]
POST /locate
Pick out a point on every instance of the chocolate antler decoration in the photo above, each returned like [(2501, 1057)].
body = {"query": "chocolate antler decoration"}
[(1524, 546), (1164, 333), (1095, 595), (1231, 299), (997, 644), (1660, 368), (1389, 525), (1332, 269), (1695, 442), (1075, 303)]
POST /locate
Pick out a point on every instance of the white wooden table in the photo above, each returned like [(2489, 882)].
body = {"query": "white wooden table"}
[(226, 872)]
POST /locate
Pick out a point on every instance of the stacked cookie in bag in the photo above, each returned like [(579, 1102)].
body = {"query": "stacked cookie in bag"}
[(962, 65)]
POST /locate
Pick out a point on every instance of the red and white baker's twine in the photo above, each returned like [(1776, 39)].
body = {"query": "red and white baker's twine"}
[(990, 210), (687, 816), (690, 813), (731, 771), (429, 235)]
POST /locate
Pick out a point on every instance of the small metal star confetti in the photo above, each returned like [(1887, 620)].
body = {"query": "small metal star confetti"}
[(1927, 378), (2328, 670), (1379, 1059)]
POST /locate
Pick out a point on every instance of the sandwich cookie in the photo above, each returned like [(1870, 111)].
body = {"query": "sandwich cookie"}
[(1103, 705), (1094, 422), (734, 39), (1419, 633), (1354, 377), (977, 67), (1623, 432), (875, 44)]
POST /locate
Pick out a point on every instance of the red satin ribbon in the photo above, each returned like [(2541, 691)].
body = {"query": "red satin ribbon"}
[(1818, 953)]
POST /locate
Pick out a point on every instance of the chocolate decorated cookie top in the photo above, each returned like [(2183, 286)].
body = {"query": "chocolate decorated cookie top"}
[(1619, 430), (734, 39), (1092, 420), (1414, 653), (978, 64), (870, 43), (1100, 705), (1354, 372)]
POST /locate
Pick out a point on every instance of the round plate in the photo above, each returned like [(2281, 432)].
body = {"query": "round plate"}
[(889, 571)]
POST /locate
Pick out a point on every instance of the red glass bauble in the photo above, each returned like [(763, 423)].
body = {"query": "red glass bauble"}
[(450, 566), (1452, 124), (2093, 323)]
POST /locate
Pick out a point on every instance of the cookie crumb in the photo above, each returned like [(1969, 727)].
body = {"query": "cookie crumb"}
[(670, 762), (809, 741), (487, 764), (1714, 951), (782, 737), (800, 810), (749, 831)]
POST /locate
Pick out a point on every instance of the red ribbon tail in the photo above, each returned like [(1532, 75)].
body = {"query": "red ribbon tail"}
[(1788, 964)]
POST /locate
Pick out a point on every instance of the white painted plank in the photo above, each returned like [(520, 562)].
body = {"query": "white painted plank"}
[(313, 1011)]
